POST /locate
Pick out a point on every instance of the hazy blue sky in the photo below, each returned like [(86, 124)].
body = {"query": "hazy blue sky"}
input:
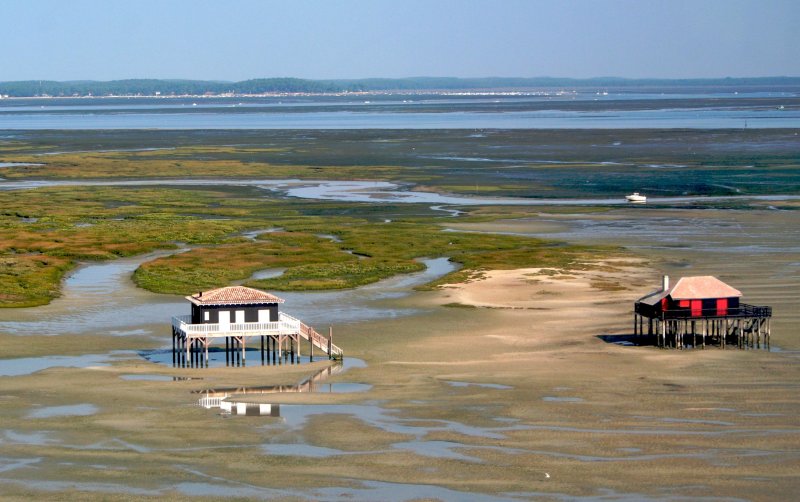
[(241, 39)]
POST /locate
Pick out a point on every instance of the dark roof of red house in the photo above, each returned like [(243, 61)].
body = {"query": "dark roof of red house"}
[(233, 295), (653, 298)]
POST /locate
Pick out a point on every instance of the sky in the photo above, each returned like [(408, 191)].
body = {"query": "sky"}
[(320, 39)]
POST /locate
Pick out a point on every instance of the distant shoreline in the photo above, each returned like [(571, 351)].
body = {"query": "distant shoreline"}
[(418, 92), (280, 87)]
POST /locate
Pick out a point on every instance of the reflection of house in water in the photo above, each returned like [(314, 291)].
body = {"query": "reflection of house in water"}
[(238, 314), (218, 398), (701, 307)]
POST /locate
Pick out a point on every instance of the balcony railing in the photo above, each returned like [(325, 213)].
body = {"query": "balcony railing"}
[(743, 310), (285, 325)]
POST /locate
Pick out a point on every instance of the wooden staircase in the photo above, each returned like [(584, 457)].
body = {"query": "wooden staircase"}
[(320, 341)]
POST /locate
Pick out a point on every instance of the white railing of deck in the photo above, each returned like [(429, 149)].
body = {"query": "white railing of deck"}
[(285, 325)]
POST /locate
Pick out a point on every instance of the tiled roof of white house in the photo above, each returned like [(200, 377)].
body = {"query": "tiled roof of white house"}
[(233, 295)]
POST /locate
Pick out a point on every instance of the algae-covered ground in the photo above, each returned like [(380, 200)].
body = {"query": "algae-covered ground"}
[(522, 163), (322, 245), (46, 230)]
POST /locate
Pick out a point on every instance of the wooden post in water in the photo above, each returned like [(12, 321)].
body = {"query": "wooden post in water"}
[(330, 342), (705, 329), (758, 333), (768, 334), (262, 350), (738, 330)]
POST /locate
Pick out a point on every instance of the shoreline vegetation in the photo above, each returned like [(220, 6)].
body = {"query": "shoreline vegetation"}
[(285, 86), (337, 245), (53, 229)]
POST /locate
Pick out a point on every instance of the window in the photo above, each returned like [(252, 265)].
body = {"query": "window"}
[(206, 315)]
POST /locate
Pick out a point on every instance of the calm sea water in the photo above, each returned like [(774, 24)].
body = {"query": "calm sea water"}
[(582, 111)]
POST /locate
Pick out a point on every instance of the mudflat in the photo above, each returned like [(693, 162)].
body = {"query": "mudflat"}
[(503, 383), (507, 393)]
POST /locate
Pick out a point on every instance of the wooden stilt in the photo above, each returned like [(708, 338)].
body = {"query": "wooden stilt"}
[(705, 329), (768, 334)]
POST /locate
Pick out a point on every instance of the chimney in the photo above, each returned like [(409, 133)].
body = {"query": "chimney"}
[(665, 283)]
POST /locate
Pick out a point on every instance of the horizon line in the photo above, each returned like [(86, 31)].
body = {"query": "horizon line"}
[(415, 77)]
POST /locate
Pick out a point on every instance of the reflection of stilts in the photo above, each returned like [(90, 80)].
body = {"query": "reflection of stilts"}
[(217, 398)]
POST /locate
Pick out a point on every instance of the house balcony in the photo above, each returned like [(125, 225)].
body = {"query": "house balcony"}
[(285, 325), (742, 311)]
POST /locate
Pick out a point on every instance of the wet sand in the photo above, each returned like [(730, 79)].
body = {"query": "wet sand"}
[(498, 389)]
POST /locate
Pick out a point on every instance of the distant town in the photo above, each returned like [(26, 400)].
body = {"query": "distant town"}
[(295, 86)]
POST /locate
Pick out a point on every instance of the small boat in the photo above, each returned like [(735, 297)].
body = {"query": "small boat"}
[(636, 198)]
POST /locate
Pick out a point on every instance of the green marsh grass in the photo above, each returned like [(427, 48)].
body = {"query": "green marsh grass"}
[(45, 232)]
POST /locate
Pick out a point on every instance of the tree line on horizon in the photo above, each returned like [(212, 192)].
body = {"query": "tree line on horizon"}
[(166, 87)]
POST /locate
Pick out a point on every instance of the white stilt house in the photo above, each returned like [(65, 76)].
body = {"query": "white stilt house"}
[(236, 314)]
